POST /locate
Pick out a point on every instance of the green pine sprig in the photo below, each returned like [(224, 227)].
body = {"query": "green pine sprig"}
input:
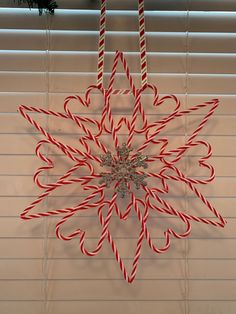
[(47, 6)]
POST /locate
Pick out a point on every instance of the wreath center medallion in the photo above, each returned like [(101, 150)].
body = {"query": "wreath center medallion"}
[(123, 170)]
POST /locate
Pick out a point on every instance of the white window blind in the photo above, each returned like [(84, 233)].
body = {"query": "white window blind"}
[(191, 53)]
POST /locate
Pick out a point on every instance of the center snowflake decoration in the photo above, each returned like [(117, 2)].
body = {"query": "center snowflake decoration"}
[(123, 170), (126, 172)]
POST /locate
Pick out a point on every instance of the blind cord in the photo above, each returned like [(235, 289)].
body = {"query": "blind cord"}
[(45, 240), (186, 242)]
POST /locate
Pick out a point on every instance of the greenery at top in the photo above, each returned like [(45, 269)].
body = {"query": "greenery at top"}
[(47, 6)]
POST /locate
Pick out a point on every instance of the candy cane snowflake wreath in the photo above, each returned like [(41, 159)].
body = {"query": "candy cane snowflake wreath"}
[(127, 169)]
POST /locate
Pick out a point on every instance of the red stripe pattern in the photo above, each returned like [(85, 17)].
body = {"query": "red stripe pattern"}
[(97, 199), (142, 44), (101, 44)]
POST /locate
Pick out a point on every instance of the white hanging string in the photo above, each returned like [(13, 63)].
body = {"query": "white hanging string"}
[(45, 240), (186, 241)]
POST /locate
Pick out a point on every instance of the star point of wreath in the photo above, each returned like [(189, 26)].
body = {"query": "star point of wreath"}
[(127, 168)]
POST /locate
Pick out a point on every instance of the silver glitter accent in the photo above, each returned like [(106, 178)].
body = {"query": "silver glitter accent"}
[(123, 169)]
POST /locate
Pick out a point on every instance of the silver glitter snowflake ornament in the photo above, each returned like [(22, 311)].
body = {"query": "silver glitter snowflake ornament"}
[(123, 169)]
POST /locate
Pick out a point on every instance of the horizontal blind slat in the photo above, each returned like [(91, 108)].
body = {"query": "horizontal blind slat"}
[(156, 21), (26, 165), (220, 125), (33, 248), (67, 83), (125, 231), (36, 61), (87, 41), (217, 5), (9, 208), (22, 144), (61, 307), (31, 290), (23, 186), (81, 269), (10, 102)]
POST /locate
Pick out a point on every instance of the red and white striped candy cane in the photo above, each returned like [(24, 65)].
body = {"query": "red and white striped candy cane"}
[(142, 47)]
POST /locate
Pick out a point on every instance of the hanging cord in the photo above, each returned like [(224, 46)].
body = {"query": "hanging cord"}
[(45, 240), (101, 44), (142, 44), (186, 241)]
